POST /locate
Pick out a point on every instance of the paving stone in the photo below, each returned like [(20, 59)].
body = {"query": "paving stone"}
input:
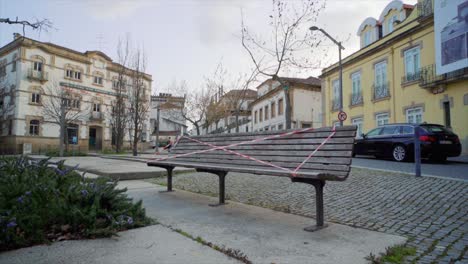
[(427, 209)]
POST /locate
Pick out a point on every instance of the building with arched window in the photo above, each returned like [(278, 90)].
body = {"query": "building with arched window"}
[(30, 68)]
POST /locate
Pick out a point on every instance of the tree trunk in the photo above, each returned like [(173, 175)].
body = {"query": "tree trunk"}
[(198, 129), (237, 121), (287, 107), (62, 130), (135, 139)]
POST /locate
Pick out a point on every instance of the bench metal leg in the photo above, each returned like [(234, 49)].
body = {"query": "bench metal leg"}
[(222, 187), (318, 184), (169, 179)]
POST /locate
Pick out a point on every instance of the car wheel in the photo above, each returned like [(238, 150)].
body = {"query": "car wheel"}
[(399, 153)]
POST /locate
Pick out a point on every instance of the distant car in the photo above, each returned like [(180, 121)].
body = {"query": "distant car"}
[(396, 141)]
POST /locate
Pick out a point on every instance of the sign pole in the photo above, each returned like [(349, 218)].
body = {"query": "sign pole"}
[(417, 152)]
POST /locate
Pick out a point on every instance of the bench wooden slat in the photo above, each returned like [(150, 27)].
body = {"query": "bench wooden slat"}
[(298, 153), (253, 170), (272, 147), (309, 141), (289, 165), (233, 139)]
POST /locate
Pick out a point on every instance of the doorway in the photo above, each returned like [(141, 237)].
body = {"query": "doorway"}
[(95, 138)]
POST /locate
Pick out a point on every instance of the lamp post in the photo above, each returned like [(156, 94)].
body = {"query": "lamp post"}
[(340, 47)]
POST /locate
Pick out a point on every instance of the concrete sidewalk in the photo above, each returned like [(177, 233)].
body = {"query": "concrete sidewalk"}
[(263, 235), (114, 168)]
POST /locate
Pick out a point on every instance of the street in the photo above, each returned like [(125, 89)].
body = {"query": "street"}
[(449, 169)]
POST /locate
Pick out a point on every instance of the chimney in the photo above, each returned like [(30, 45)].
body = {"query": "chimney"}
[(16, 36)]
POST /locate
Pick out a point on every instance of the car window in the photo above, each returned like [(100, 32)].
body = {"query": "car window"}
[(436, 129), (374, 132), (408, 130), (391, 130)]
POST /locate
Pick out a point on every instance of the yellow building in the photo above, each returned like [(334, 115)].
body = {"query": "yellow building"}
[(392, 78)]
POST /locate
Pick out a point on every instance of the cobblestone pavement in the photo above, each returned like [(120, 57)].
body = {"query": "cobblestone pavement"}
[(432, 212)]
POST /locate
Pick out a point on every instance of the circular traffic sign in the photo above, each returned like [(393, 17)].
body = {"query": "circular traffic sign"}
[(342, 116)]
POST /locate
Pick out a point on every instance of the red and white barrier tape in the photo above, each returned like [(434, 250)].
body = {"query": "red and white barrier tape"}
[(225, 148)]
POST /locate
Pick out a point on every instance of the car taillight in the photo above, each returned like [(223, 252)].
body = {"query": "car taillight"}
[(427, 138)]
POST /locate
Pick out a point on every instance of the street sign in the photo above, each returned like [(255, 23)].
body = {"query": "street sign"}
[(342, 116)]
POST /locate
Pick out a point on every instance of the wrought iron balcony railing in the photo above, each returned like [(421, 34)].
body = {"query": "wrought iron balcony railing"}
[(356, 98), (41, 76), (380, 90), (411, 77), (97, 115), (429, 77), (336, 104)]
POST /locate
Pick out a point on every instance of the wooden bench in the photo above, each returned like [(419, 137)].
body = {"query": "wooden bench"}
[(323, 154)]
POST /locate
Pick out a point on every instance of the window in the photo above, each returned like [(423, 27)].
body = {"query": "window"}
[(280, 106), (2, 70), (38, 66), (407, 130), (255, 117), (98, 80), (382, 119), (246, 128), (306, 125), (358, 122), (273, 128), (34, 127), (380, 82), (374, 132), (66, 102), (266, 128), (13, 65), (75, 103), (36, 98), (390, 24), (356, 96), (261, 115), (280, 127), (367, 38), (10, 127), (266, 112), (414, 115), (73, 74), (72, 134), (412, 62), (336, 95), (391, 130), (273, 113), (96, 107)]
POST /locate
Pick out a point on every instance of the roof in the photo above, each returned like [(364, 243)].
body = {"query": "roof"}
[(246, 93), (313, 81)]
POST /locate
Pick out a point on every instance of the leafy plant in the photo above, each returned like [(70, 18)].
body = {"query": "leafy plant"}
[(41, 201)]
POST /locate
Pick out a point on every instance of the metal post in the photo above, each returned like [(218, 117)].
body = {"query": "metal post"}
[(157, 130), (417, 152), (341, 79)]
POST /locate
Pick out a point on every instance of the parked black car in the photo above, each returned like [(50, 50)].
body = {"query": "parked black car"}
[(396, 141)]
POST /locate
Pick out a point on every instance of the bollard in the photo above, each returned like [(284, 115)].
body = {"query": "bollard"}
[(417, 152)]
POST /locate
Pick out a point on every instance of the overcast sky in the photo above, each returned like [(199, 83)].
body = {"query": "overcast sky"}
[(183, 39)]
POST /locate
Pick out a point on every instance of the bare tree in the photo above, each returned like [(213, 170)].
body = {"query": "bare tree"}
[(195, 104), (138, 99), (289, 44), (43, 24), (6, 106), (232, 94), (119, 114), (61, 108)]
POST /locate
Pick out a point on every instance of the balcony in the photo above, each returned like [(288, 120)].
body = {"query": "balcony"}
[(40, 76), (430, 79), (97, 116), (336, 103), (425, 9), (411, 77), (380, 91), (356, 99)]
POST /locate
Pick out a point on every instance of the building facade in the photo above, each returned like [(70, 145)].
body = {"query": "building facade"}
[(29, 68), (226, 108), (392, 78), (268, 110), (171, 121)]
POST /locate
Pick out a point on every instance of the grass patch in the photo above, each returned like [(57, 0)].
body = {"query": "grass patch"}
[(234, 253), (70, 153), (394, 254), (42, 202)]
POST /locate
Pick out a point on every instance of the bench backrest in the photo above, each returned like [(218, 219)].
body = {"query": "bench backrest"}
[(332, 157)]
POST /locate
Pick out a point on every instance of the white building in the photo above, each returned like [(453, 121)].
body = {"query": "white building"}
[(268, 110), (28, 68), (171, 121)]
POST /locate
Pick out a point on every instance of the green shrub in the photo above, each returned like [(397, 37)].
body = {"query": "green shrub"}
[(42, 202)]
